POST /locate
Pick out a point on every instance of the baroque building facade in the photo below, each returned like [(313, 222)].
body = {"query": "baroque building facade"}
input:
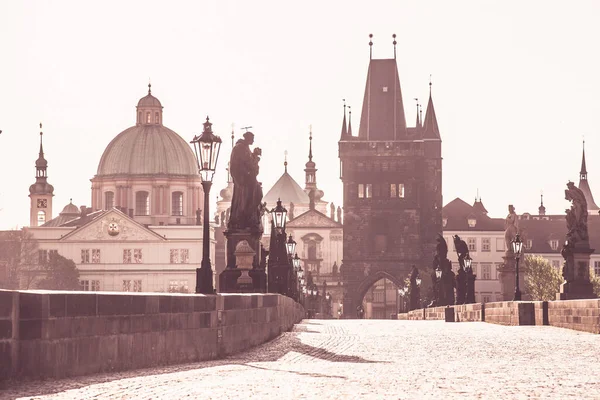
[(143, 231)]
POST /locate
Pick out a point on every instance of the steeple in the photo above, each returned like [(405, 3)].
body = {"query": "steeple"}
[(310, 183), (344, 134), (349, 121), (382, 116), (541, 208), (41, 192), (584, 185), (430, 125), (583, 172)]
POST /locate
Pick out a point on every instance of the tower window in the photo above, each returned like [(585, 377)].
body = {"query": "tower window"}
[(177, 203), (142, 203), (109, 200), (368, 190), (397, 190), (361, 191), (41, 217), (148, 117), (156, 121)]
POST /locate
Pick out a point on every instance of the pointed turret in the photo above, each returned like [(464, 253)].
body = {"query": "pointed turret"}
[(349, 122), (430, 125), (541, 208), (41, 192), (344, 135), (310, 183), (584, 185)]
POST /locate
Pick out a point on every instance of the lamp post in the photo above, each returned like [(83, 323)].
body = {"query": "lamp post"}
[(438, 292), (296, 280), (279, 252), (206, 149), (517, 249)]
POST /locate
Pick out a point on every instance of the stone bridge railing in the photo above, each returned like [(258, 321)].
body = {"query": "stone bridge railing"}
[(53, 334)]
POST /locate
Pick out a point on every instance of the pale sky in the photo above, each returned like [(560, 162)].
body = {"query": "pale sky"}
[(516, 86)]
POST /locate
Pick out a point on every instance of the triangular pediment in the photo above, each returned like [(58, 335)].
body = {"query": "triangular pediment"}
[(112, 225), (313, 219)]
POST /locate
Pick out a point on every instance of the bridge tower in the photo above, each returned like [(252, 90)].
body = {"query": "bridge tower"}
[(392, 180)]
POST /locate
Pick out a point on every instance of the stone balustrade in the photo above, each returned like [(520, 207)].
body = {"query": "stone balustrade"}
[(54, 334)]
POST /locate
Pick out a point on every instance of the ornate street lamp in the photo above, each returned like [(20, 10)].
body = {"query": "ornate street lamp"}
[(279, 214), (290, 246), (206, 149), (468, 262), (517, 249), (470, 281), (438, 273), (296, 261)]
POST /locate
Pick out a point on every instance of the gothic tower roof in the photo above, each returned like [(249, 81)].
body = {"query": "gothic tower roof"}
[(41, 185), (584, 185), (430, 125)]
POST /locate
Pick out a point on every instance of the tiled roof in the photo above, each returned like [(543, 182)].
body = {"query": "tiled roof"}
[(457, 214), (288, 190)]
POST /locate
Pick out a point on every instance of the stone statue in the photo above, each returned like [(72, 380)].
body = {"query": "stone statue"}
[(511, 226), (247, 191), (577, 230), (223, 221), (339, 214), (291, 210), (217, 219), (332, 210), (334, 269), (441, 248), (462, 250)]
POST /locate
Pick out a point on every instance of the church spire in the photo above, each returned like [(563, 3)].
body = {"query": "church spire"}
[(344, 134), (41, 164), (310, 144), (430, 125), (349, 121), (583, 172), (541, 208), (41, 192)]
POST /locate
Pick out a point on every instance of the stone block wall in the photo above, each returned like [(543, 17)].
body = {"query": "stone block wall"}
[(581, 315), (56, 334), (510, 313), (469, 312)]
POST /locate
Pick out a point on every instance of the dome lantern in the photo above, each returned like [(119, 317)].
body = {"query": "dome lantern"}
[(149, 110)]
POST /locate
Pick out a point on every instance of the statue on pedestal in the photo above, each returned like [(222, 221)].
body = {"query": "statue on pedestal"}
[(577, 230), (511, 226)]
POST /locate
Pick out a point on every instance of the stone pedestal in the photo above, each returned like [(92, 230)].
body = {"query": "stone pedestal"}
[(506, 276), (228, 279), (578, 285)]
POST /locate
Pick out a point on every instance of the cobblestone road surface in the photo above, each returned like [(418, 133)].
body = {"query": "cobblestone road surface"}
[(355, 359)]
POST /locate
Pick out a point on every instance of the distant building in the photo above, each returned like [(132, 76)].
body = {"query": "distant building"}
[(142, 232)]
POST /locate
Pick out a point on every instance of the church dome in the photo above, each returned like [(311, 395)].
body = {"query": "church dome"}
[(148, 148), (41, 188), (70, 209)]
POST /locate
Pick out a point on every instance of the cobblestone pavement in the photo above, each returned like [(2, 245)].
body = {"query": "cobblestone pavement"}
[(355, 359)]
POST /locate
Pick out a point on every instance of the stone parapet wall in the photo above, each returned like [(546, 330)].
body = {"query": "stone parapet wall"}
[(469, 312), (510, 313), (52, 334), (581, 315)]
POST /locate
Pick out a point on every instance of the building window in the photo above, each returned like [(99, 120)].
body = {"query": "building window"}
[(109, 200), (84, 285), (485, 244), (179, 256), (597, 268), (95, 285), (85, 256), (95, 256), (393, 191), (554, 244), (137, 256), (177, 203), (156, 121), (41, 218), (148, 117), (368, 190), (142, 203), (486, 298), (361, 191), (486, 271), (126, 256), (472, 222), (472, 243), (127, 285), (174, 256), (137, 285), (500, 245), (42, 256)]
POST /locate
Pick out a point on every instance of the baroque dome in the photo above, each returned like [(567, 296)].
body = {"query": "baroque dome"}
[(148, 148)]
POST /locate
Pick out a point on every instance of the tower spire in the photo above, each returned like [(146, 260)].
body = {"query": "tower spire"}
[(350, 121), (344, 128), (310, 143), (583, 172), (418, 123), (430, 125), (541, 208), (394, 36), (285, 153), (371, 46)]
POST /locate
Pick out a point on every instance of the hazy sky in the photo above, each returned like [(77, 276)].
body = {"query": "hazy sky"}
[(516, 85)]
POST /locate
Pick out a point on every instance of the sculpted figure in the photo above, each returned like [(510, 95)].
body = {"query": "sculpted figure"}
[(577, 230), (332, 211), (339, 214), (247, 191), (441, 248), (511, 226), (462, 250)]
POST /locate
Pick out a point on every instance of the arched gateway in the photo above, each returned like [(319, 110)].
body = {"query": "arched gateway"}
[(392, 177)]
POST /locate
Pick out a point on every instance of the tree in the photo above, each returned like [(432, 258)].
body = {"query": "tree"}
[(19, 253), (61, 274), (595, 279), (542, 280)]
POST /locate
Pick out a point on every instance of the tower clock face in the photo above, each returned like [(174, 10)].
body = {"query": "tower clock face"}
[(42, 203)]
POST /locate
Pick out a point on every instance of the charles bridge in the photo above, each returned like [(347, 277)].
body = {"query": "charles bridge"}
[(106, 345)]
